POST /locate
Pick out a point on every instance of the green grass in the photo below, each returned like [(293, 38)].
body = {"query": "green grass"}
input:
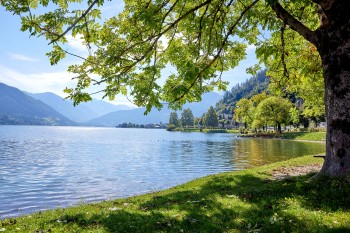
[(309, 136), (305, 136), (243, 201), (232, 130), (207, 130)]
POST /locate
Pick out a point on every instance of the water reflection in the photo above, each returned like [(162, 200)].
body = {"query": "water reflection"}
[(250, 152)]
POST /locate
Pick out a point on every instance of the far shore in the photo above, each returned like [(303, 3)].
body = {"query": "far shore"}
[(305, 136)]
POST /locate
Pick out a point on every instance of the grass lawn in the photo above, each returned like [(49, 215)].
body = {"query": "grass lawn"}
[(309, 136), (207, 130), (304, 136), (243, 201)]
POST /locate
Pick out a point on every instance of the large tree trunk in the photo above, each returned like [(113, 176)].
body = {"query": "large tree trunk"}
[(334, 49), (279, 129)]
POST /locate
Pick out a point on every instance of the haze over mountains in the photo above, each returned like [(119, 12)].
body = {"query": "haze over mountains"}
[(18, 107), (137, 116), (80, 113)]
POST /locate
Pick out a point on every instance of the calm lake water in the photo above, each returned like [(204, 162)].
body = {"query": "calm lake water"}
[(45, 167)]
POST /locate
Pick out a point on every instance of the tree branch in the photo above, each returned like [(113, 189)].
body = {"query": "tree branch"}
[(294, 24), (75, 22), (285, 70), (217, 55)]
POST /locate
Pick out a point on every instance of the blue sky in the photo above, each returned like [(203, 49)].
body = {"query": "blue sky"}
[(23, 63)]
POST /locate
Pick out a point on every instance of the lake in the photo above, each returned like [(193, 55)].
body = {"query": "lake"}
[(43, 167)]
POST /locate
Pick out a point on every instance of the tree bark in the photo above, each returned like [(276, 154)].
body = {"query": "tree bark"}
[(279, 129), (332, 40), (334, 49)]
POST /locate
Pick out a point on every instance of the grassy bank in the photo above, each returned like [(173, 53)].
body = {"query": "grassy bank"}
[(304, 136), (308, 136), (207, 130), (244, 201)]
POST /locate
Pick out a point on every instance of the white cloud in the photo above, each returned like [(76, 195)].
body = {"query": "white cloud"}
[(76, 43), (37, 82), (54, 82), (21, 57), (251, 47)]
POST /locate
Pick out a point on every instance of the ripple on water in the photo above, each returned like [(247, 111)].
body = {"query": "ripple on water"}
[(47, 167)]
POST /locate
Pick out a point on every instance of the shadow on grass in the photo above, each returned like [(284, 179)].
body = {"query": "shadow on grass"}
[(231, 203)]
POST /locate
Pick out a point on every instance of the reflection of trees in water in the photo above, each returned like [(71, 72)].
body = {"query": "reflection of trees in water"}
[(254, 152)]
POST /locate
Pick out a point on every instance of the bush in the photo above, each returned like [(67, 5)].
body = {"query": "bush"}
[(217, 131), (303, 129), (241, 130), (314, 130), (171, 127)]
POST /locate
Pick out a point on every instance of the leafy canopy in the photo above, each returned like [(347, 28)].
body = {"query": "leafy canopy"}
[(211, 118), (174, 120), (244, 111), (274, 111), (187, 118), (200, 39)]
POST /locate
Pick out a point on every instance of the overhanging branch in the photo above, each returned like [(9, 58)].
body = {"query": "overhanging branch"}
[(294, 24), (229, 32), (75, 22)]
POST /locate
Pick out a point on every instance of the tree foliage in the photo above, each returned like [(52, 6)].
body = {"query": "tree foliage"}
[(211, 119), (274, 111), (252, 86), (299, 73), (244, 112), (128, 51), (257, 99), (174, 120), (187, 119)]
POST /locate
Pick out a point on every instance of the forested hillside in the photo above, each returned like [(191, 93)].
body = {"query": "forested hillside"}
[(254, 85)]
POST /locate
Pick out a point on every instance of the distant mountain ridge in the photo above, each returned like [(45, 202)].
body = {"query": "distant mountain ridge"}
[(83, 112), (136, 116), (16, 107)]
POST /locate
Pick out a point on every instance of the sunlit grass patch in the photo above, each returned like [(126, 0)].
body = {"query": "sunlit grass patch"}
[(310, 136)]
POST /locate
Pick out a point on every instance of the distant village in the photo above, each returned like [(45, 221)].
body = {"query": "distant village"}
[(143, 126)]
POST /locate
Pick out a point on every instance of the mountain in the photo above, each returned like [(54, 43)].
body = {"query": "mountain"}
[(82, 112), (253, 86), (249, 88), (136, 116), (16, 107), (79, 113), (102, 107)]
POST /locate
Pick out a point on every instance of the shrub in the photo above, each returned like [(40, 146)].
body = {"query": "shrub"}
[(241, 130), (314, 130), (171, 127)]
